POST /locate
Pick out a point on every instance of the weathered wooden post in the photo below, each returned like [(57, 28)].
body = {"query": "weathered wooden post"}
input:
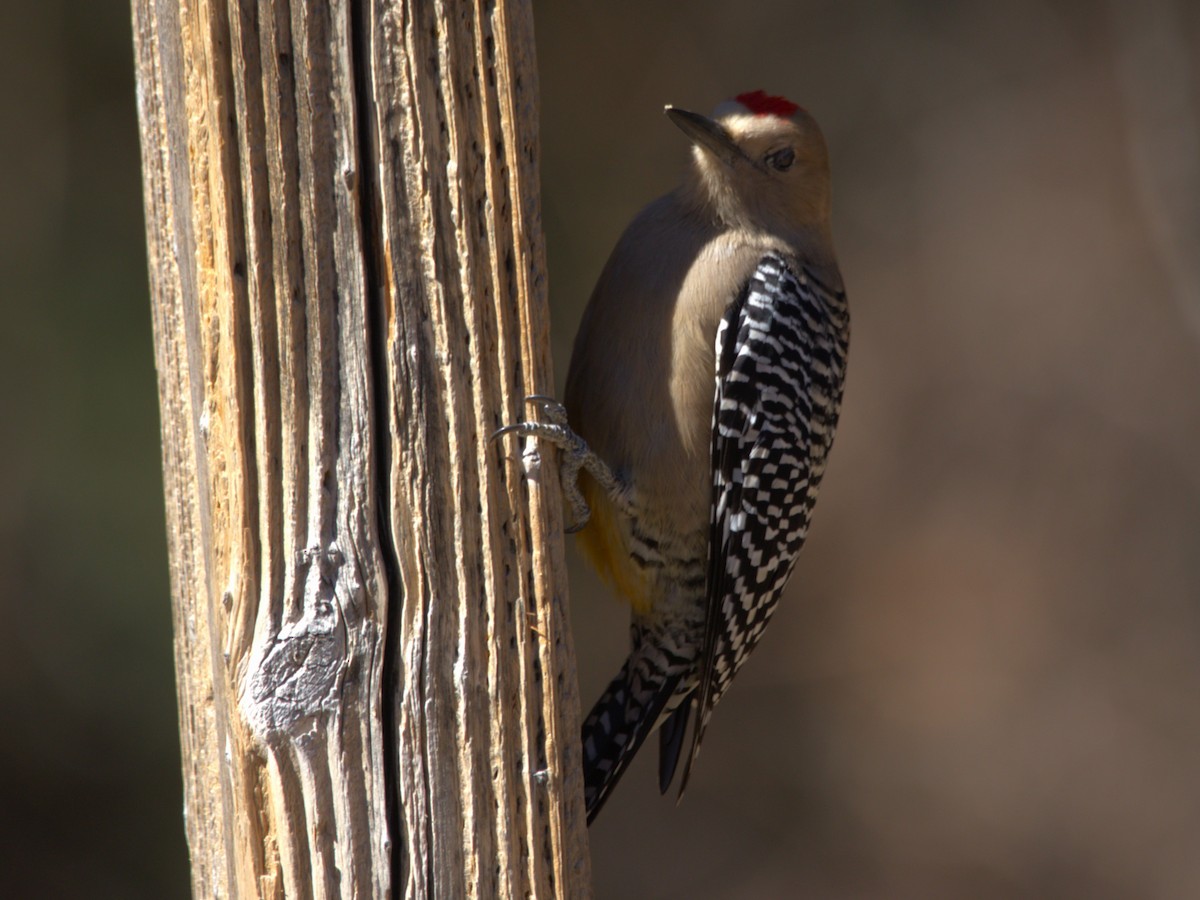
[(376, 683)]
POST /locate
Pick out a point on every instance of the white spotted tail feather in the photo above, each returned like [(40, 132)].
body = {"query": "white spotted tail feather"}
[(638, 701), (781, 357)]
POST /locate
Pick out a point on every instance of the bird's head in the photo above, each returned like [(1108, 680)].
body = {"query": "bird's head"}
[(760, 162)]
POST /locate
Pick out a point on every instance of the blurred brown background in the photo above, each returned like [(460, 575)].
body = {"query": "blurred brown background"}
[(986, 680)]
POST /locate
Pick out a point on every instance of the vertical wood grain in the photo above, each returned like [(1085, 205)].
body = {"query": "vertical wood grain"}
[(376, 683)]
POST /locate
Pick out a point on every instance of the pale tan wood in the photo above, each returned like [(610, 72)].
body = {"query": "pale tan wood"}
[(376, 683)]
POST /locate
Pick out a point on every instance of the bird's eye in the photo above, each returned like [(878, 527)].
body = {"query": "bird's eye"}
[(781, 160)]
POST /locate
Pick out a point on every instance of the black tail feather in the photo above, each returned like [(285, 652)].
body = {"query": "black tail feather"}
[(670, 741), (615, 729)]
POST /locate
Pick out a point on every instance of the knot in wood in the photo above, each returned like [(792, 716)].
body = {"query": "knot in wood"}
[(296, 678)]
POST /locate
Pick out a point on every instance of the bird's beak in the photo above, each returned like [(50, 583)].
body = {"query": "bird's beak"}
[(712, 136)]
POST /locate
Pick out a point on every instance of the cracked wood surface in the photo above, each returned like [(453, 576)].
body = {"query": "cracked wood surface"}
[(376, 684)]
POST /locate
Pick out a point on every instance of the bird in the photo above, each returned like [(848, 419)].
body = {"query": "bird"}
[(701, 402)]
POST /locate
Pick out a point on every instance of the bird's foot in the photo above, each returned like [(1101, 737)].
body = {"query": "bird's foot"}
[(576, 454)]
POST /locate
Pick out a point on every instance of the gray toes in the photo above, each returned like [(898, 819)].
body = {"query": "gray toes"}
[(551, 409)]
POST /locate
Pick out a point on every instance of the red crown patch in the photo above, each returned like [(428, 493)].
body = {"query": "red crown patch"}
[(763, 104)]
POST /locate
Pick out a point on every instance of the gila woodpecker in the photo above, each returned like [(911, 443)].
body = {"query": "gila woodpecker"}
[(701, 403)]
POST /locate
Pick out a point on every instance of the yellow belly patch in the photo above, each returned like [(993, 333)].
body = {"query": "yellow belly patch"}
[(603, 543)]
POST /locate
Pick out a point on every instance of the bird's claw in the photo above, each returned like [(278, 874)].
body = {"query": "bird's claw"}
[(575, 452), (554, 411), (551, 408)]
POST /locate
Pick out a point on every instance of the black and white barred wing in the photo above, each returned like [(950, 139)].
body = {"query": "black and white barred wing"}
[(779, 372)]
